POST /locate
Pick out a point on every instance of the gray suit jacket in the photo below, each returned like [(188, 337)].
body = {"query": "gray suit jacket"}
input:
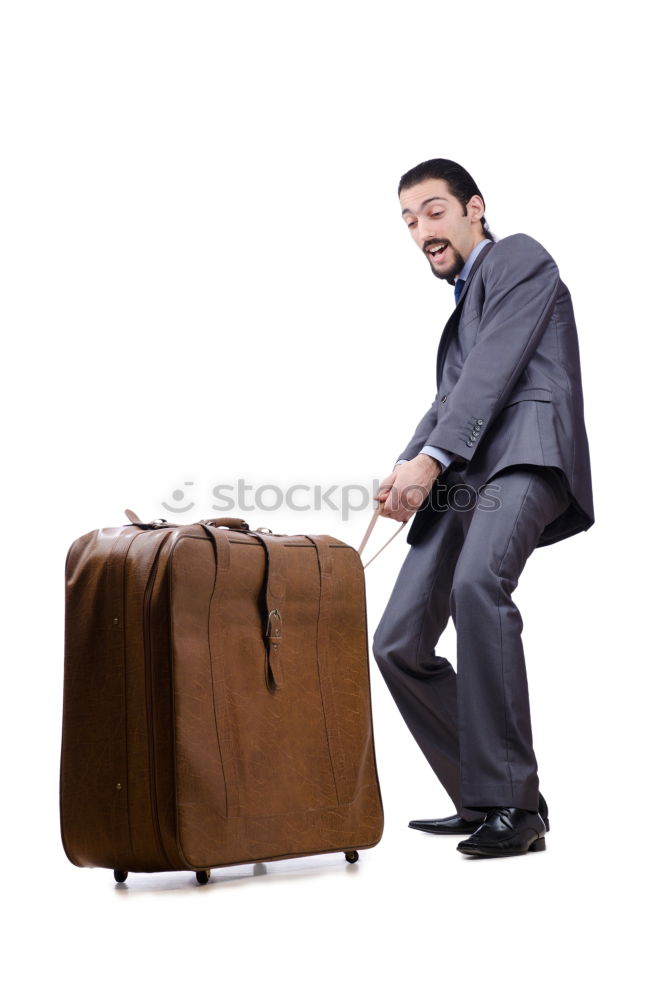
[(509, 388)]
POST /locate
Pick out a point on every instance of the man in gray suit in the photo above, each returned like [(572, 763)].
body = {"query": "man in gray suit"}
[(498, 466)]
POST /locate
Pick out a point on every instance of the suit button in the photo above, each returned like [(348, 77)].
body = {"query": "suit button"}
[(470, 443), (480, 423), (443, 398)]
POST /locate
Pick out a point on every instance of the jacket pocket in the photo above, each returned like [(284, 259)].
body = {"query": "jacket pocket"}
[(541, 395)]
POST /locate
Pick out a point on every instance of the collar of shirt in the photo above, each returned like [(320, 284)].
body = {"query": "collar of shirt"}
[(464, 273)]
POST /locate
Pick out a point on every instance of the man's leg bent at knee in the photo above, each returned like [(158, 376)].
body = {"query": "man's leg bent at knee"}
[(423, 684)]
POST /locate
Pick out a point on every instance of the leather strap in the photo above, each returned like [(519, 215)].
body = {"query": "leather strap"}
[(369, 532), (237, 523), (274, 595), (221, 546), (325, 627), (274, 591), (159, 522)]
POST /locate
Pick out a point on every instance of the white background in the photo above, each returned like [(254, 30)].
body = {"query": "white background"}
[(205, 278)]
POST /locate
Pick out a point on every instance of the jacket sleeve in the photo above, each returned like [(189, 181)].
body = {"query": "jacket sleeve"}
[(521, 282), (443, 457), (425, 426)]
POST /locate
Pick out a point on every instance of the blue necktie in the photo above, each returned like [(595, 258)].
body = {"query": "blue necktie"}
[(459, 285)]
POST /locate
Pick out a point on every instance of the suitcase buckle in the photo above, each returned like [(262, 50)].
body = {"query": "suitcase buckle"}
[(277, 627)]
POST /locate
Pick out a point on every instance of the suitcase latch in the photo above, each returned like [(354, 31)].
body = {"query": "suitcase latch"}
[(273, 635)]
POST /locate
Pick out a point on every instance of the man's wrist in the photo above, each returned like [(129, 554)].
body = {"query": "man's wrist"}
[(431, 463), (445, 458)]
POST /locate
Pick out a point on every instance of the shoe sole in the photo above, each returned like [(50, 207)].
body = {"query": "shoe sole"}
[(444, 833), (485, 852)]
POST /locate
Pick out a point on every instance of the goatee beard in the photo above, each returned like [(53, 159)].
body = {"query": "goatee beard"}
[(456, 267)]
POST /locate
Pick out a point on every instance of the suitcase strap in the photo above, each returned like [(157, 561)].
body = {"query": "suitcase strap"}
[(274, 590), (221, 547), (369, 532), (325, 667), (274, 594)]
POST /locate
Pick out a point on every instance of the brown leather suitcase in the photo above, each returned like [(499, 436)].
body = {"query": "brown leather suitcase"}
[(216, 699)]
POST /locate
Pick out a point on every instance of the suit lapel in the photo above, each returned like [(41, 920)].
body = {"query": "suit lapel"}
[(454, 319)]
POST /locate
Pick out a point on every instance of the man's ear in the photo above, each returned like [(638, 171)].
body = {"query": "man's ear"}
[(475, 208)]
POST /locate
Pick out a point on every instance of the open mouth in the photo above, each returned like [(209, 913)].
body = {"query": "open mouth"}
[(436, 250)]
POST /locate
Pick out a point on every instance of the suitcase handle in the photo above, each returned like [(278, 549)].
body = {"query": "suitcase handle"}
[(218, 522), (363, 544), (227, 522)]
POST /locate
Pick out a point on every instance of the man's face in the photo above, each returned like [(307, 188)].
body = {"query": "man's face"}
[(437, 222)]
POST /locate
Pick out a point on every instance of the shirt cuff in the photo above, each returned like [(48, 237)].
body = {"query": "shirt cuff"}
[(444, 457)]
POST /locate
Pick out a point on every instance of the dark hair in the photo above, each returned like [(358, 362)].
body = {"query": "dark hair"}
[(460, 183)]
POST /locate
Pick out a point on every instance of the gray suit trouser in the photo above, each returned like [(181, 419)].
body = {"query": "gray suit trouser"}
[(473, 726)]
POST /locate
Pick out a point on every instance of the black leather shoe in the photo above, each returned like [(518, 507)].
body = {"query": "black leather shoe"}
[(456, 825), (506, 832), (451, 824)]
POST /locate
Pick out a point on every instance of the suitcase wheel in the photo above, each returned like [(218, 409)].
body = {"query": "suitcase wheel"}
[(352, 857), (120, 876), (203, 877)]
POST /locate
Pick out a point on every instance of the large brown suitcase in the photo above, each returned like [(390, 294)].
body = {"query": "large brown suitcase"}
[(216, 699)]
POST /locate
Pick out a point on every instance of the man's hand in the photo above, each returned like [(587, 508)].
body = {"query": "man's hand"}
[(406, 488)]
